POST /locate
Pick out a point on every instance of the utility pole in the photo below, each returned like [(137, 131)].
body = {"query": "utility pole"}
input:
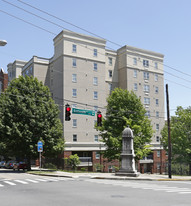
[(169, 138)]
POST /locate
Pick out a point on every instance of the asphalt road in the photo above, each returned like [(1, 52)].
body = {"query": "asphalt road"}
[(24, 189)]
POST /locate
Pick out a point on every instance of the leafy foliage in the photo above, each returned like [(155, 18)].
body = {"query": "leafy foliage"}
[(28, 114), (125, 109), (73, 161), (180, 136)]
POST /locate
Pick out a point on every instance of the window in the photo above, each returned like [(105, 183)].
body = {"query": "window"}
[(146, 75), (95, 108), (74, 77), (95, 67), (157, 102), (95, 52), (135, 73), (110, 61), (135, 86), (157, 114), (110, 73), (158, 153), (74, 137), (96, 138), (74, 62), (156, 77), (95, 95), (74, 48), (110, 87), (156, 65), (135, 61), (145, 63), (156, 90), (147, 114), (74, 105), (74, 92), (157, 139), (157, 127), (146, 100), (97, 155), (146, 88), (95, 81), (74, 122)]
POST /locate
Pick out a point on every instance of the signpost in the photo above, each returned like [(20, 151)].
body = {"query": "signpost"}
[(83, 111), (40, 149)]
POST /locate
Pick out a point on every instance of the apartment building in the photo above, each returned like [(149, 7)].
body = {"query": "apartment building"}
[(3, 80), (82, 73)]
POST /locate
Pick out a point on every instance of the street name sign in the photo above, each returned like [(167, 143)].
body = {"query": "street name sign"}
[(83, 111), (40, 146)]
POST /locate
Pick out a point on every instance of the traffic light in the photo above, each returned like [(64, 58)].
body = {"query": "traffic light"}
[(99, 119), (67, 112)]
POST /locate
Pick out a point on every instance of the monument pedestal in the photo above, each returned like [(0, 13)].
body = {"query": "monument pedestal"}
[(127, 155)]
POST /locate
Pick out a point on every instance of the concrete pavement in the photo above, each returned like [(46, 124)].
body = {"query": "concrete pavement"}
[(151, 177)]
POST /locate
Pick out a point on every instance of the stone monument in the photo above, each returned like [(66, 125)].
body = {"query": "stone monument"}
[(127, 155)]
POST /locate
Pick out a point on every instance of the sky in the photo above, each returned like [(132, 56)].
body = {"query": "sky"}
[(162, 26)]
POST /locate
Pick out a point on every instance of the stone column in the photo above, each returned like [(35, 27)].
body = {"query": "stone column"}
[(127, 155)]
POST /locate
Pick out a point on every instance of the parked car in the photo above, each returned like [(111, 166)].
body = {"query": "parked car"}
[(9, 164), (2, 164), (20, 165)]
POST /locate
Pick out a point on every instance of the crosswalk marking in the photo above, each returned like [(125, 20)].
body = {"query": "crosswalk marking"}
[(35, 180), (9, 183), (21, 181), (30, 180), (145, 186)]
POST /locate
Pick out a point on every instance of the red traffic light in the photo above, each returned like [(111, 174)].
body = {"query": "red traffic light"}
[(99, 115), (68, 109)]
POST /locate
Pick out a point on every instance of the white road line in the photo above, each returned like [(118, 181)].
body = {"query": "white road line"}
[(10, 183), (1, 185), (41, 180), (21, 181), (33, 181)]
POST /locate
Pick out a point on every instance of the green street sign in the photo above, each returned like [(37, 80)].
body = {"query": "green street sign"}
[(83, 111)]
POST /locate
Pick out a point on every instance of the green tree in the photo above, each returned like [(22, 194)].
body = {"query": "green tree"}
[(180, 136), (73, 161), (28, 114), (124, 109)]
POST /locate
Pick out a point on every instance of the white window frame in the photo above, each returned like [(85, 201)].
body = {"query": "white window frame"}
[(135, 87), (97, 155), (74, 92), (157, 127), (74, 78), (156, 77), (110, 61), (156, 90), (157, 114), (75, 138), (135, 73), (74, 48), (146, 75), (95, 95), (146, 100), (95, 81), (134, 61), (145, 63), (110, 73), (96, 138), (74, 62), (147, 114), (74, 122), (158, 153), (146, 88), (156, 65), (95, 52), (157, 102), (95, 66), (95, 108)]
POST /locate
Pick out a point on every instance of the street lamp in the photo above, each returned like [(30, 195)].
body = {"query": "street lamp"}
[(3, 42)]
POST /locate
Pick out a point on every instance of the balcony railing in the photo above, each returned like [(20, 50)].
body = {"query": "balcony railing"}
[(85, 161)]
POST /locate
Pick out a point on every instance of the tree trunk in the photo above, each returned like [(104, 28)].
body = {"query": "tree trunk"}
[(190, 169)]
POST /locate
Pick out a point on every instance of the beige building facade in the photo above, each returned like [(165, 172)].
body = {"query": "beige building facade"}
[(82, 73)]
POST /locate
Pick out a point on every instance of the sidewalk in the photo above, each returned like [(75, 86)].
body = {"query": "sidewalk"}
[(110, 176)]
